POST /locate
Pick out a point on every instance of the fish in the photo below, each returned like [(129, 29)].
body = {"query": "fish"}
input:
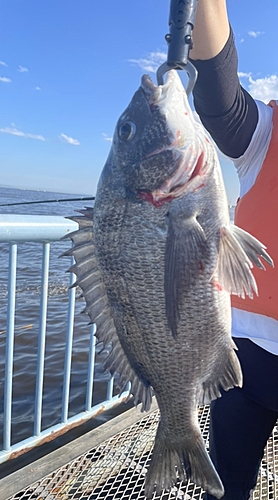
[(156, 259)]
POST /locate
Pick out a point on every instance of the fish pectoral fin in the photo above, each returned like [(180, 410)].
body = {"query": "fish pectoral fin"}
[(238, 252), (252, 247), (89, 278), (229, 377), (184, 258)]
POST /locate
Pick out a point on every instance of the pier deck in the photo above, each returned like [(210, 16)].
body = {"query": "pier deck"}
[(110, 463)]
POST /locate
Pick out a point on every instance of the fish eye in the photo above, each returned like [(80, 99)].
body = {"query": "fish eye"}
[(127, 131)]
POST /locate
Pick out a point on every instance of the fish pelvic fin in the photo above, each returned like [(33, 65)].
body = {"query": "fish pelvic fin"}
[(89, 279), (238, 252), (185, 251), (230, 377), (187, 455)]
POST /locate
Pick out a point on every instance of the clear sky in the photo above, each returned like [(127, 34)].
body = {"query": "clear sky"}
[(69, 68)]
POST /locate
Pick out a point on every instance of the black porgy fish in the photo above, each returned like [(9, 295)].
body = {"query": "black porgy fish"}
[(157, 259)]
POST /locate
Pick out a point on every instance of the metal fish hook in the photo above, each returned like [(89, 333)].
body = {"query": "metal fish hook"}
[(188, 67)]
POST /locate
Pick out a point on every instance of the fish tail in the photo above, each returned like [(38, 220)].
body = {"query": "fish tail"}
[(200, 468), (187, 455)]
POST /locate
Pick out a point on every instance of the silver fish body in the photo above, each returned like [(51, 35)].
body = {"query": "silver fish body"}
[(157, 259)]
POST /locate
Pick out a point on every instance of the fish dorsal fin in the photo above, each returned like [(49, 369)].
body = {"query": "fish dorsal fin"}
[(90, 280), (184, 256), (238, 252)]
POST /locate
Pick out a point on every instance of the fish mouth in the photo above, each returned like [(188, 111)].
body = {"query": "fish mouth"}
[(188, 150), (157, 93)]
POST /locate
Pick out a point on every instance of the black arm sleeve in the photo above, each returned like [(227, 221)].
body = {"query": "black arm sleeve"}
[(226, 110)]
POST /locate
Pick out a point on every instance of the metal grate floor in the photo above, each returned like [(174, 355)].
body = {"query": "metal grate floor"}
[(115, 469)]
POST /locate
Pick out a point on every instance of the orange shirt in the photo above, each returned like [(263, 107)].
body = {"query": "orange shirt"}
[(257, 213)]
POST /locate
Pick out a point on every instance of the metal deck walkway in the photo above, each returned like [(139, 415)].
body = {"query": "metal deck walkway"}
[(110, 463)]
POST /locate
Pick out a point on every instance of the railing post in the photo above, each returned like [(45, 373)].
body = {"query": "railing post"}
[(68, 349), (41, 342), (110, 387), (9, 348), (91, 366)]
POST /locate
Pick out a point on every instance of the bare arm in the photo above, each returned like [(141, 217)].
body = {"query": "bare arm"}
[(211, 30), (227, 111)]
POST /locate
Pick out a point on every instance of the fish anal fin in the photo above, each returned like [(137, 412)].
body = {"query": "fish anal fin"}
[(230, 376)]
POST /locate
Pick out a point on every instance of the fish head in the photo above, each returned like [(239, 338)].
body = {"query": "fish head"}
[(156, 146)]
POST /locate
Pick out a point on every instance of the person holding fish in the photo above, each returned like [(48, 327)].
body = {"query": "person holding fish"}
[(246, 131)]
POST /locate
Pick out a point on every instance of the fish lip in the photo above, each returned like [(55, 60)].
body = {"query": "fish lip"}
[(155, 93), (149, 90), (147, 84)]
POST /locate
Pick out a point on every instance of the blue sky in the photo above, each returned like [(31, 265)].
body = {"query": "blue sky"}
[(69, 68)]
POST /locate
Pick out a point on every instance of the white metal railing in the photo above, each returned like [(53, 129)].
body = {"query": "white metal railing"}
[(15, 230)]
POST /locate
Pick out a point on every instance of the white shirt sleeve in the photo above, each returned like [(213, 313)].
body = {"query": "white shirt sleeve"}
[(250, 163)]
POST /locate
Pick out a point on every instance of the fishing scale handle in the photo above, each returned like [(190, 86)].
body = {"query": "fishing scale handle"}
[(181, 23)]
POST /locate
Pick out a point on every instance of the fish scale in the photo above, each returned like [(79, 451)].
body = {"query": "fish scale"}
[(162, 260)]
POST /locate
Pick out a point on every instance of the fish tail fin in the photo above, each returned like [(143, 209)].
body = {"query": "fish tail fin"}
[(200, 468), (189, 455)]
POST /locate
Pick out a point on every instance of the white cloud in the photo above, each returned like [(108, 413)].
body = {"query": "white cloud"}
[(2, 63), (151, 62), (255, 34), (5, 80), (241, 74), (69, 140), (264, 89), (107, 138), (14, 131), (21, 69), (37, 88)]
